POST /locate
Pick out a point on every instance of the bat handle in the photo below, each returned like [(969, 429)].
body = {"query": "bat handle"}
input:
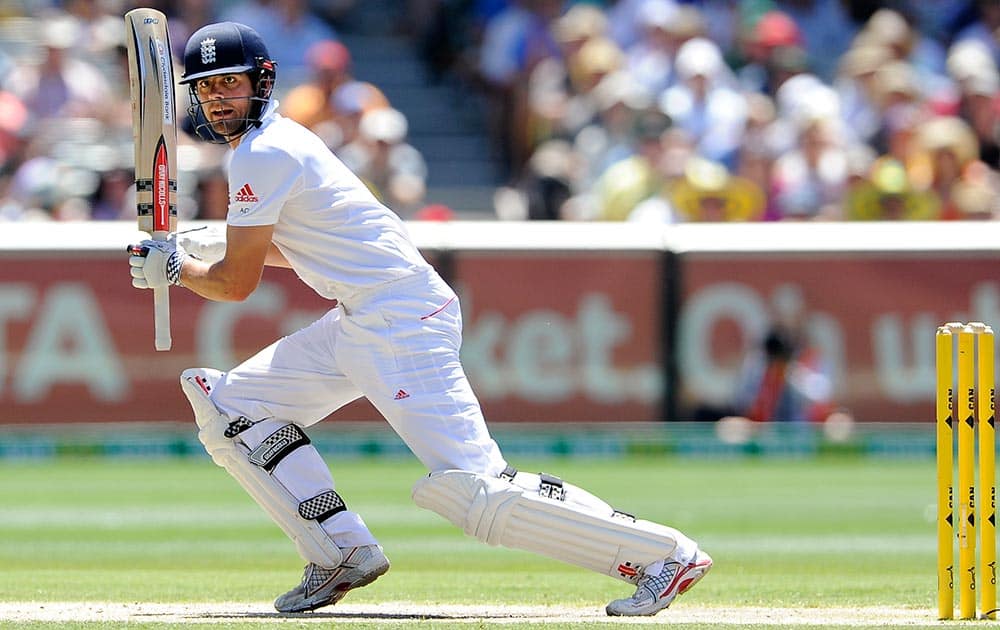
[(161, 317), (161, 309)]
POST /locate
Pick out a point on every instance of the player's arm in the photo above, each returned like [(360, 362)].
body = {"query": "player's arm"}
[(224, 277), (235, 277), (208, 243)]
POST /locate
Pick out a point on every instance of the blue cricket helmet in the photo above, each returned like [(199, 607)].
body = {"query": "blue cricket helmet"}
[(224, 48), (228, 48)]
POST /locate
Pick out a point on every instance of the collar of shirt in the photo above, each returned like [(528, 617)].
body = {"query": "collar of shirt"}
[(270, 110)]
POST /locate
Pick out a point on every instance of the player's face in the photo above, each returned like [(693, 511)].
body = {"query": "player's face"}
[(225, 100)]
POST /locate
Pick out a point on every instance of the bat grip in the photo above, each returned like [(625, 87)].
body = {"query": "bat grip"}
[(161, 310), (161, 317)]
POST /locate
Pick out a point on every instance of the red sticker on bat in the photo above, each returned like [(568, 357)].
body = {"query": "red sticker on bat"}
[(161, 188)]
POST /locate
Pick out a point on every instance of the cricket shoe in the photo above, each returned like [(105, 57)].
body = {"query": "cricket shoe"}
[(324, 587), (659, 585)]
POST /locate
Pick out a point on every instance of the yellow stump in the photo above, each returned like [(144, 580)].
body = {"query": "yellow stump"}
[(987, 471), (965, 415), (945, 475)]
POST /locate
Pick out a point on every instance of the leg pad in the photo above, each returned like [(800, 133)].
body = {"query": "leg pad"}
[(542, 514), (251, 452)]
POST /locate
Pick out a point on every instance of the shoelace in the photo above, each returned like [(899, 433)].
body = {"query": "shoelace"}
[(316, 577), (656, 584)]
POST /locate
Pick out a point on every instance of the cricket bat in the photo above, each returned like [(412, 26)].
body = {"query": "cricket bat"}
[(154, 129)]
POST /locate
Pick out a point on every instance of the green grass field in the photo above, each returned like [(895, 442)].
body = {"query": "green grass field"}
[(829, 540)]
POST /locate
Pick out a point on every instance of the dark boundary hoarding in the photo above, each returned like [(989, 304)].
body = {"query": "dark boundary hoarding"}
[(563, 322)]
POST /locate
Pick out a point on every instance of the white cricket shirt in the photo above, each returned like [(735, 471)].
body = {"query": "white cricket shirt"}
[(334, 233)]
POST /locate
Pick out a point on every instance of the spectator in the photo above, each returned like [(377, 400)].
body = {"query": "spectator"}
[(349, 103), (650, 60), (704, 103), (629, 181), (184, 17), (975, 74), (15, 127), (720, 21), (61, 84), (309, 103), (499, 54), (986, 29), (940, 19), (707, 192), (558, 101), (925, 56), (393, 169), (757, 154), (946, 163), (289, 27), (545, 188), (772, 45), (580, 24), (623, 21), (826, 32), (560, 94), (888, 195), (114, 198), (442, 32), (608, 138), (515, 41), (808, 181), (36, 189), (858, 89), (900, 107)]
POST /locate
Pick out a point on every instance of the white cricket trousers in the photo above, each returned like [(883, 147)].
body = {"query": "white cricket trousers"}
[(398, 346)]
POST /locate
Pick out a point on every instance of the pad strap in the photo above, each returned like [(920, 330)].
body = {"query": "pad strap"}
[(276, 446), (322, 507), (238, 426), (551, 487)]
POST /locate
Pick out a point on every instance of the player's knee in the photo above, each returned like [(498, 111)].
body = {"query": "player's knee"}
[(474, 502), (198, 385)]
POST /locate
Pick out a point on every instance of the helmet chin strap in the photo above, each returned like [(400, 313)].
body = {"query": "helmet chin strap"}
[(206, 129)]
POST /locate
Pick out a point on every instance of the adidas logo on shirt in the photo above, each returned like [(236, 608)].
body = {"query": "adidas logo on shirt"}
[(246, 195)]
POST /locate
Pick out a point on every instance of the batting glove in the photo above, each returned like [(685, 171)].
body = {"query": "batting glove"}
[(156, 264)]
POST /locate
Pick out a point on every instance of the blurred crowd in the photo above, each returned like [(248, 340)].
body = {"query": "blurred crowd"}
[(719, 110), (644, 110), (66, 149)]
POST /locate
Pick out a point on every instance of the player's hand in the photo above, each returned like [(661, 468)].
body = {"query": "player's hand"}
[(156, 264), (205, 243)]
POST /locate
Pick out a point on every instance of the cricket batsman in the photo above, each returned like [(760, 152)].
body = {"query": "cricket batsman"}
[(392, 334)]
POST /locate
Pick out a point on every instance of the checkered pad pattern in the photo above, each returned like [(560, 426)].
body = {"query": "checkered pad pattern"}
[(237, 426), (275, 446), (322, 507)]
